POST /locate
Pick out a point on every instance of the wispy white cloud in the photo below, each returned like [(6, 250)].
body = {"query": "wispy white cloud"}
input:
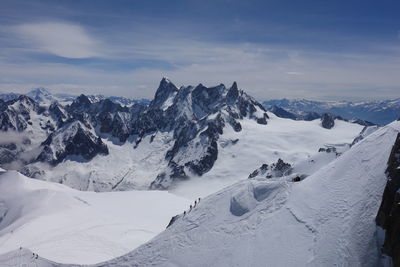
[(60, 39), (265, 71)]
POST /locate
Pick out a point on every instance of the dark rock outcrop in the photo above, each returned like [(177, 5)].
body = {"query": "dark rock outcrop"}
[(165, 90), (282, 113), (173, 219), (16, 114), (367, 130), (278, 169), (328, 149), (389, 212), (327, 121), (72, 139)]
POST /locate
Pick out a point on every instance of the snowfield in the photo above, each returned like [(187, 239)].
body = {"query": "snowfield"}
[(134, 168), (66, 225), (325, 220), (296, 142)]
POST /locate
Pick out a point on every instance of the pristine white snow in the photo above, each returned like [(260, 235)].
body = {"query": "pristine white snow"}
[(66, 225), (325, 220)]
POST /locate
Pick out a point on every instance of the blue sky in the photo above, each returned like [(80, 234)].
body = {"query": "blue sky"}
[(313, 49)]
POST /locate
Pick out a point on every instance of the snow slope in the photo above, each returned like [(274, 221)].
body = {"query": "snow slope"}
[(296, 142), (66, 225), (324, 220)]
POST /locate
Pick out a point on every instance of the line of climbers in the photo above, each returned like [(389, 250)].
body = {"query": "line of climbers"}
[(173, 219)]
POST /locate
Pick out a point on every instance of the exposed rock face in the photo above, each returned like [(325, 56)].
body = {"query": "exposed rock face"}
[(278, 169), (7, 155), (310, 116), (72, 139), (108, 117), (389, 212), (164, 95), (328, 149), (327, 121), (16, 114), (282, 113), (367, 130)]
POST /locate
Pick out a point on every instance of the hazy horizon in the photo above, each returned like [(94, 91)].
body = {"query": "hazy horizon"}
[(55, 92)]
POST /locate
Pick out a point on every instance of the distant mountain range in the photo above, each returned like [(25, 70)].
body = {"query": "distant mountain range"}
[(44, 97), (178, 135), (378, 112), (373, 112)]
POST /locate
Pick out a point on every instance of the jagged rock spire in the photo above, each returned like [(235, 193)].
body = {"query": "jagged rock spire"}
[(165, 90), (233, 93)]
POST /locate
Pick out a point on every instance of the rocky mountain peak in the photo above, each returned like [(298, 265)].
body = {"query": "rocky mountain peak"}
[(71, 139), (80, 103), (234, 86), (233, 93), (165, 92), (39, 91), (41, 95), (23, 99)]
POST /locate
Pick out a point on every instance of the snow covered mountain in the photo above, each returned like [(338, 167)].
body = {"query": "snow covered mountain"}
[(325, 219), (43, 96), (183, 134), (378, 112), (326, 118)]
